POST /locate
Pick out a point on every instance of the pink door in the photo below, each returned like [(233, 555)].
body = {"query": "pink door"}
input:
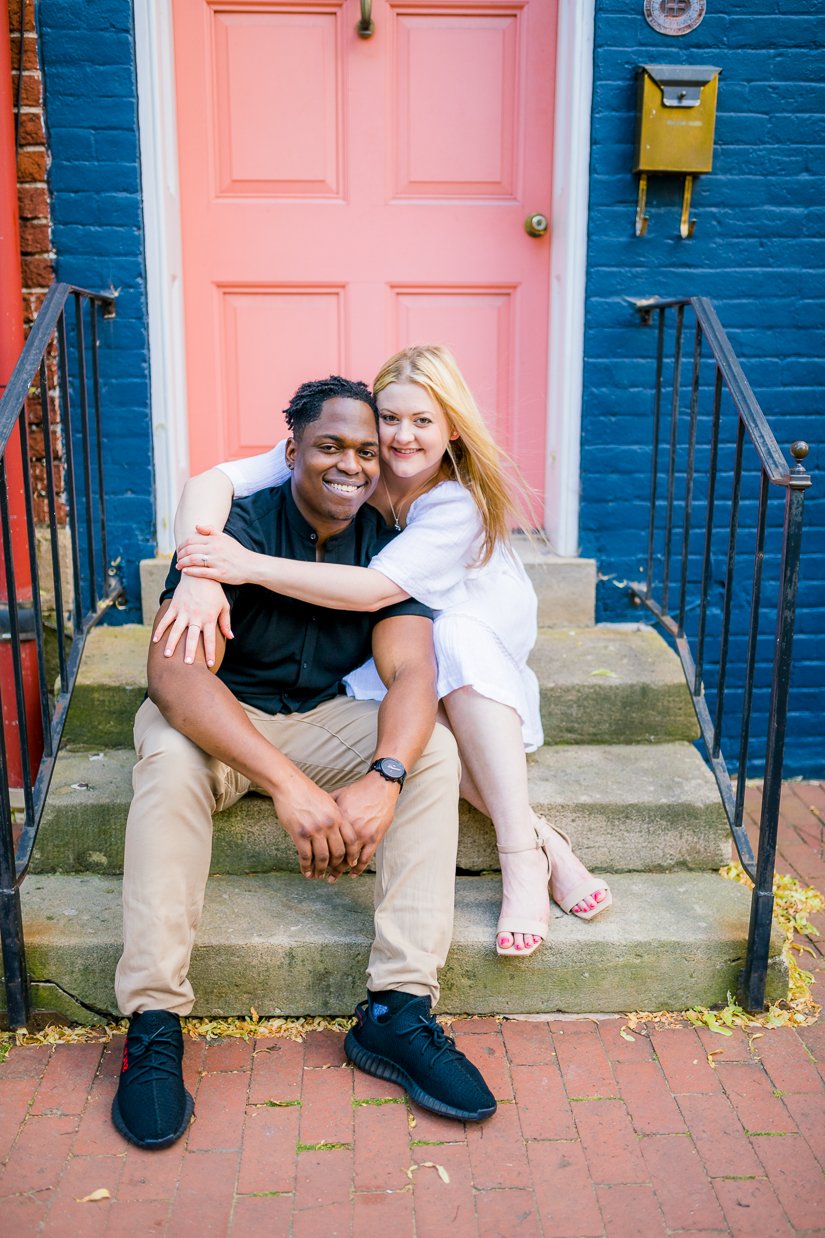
[(342, 197)]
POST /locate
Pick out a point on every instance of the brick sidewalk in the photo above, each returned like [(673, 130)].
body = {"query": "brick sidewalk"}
[(673, 1130)]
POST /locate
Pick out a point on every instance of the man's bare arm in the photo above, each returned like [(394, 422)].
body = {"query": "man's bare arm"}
[(195, 702), (403, 650)]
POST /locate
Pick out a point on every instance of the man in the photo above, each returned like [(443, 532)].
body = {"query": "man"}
[(349, 780)]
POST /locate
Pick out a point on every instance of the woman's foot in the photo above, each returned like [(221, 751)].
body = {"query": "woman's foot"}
[(525, 902), (570, 879)]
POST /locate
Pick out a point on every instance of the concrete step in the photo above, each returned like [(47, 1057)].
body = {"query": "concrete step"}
[(284, 945), (642, 807), (612, 684), (608, 684), (566, 588)]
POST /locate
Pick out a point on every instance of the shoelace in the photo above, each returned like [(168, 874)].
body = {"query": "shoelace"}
[(441, 1042), (163, 1063)]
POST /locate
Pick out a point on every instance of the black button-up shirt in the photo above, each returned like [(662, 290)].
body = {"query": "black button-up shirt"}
[(289, 656)]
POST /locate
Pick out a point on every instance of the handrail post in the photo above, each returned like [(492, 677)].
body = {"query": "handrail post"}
[(755, 975), (774, 471), (11, 342), (29, 373), (15, 972)]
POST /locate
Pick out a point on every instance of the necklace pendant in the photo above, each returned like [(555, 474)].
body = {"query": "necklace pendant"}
[(397, 526)]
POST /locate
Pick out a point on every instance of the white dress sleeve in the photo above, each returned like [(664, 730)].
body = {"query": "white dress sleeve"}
[(431, 558), (257, 472)]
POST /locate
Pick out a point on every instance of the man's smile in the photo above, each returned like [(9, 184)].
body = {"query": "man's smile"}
[(347, 488)]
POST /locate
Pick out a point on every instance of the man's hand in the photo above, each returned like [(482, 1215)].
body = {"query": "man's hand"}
[(368, 806), (325, 840)]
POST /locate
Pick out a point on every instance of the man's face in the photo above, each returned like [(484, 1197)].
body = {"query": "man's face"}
[(335, 463)]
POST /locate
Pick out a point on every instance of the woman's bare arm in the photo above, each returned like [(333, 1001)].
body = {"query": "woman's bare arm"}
[(335, 585), (206, 500)]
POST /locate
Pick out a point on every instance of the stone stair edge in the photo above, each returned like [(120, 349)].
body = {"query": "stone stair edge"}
[(565, 586), (115, 656), (602, 685), (289, 946), (643, 824)]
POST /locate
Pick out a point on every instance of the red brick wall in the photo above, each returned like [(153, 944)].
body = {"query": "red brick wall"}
[(33, 195), (37, 255)]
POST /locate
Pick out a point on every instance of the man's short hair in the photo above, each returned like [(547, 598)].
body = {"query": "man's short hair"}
[(305, 406)]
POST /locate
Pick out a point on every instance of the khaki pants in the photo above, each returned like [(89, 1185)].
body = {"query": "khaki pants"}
[(178, 787)]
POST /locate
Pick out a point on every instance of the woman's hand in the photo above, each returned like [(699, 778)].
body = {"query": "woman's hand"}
[(195, 608), (215, 556)]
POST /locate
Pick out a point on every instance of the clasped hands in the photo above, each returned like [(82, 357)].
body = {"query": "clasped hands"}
[(339, 831)]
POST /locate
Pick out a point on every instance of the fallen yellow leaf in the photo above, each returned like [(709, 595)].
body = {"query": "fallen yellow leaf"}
[(100, 1193), (439, 1169)]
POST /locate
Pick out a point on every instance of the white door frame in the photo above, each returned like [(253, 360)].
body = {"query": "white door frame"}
[(161, 221), (154, 54)]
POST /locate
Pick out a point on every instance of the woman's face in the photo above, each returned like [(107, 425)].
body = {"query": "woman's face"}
[(412, 430)]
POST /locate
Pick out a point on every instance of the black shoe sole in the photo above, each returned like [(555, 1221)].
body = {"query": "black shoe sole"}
[(383, 1068), (121, 1126)]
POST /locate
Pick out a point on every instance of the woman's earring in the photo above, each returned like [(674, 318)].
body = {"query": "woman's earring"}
[(455, 434)]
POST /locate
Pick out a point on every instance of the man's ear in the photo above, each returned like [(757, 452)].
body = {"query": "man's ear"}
[(291, 449)]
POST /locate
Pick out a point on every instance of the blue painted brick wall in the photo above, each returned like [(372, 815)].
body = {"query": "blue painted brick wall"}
[(88, 61), (758, 251)]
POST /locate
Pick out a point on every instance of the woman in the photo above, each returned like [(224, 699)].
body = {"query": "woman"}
[(447, 488)]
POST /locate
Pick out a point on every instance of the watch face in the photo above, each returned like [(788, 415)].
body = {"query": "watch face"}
[(391, 767)]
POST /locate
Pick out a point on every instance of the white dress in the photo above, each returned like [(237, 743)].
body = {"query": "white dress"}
[(485, 617)]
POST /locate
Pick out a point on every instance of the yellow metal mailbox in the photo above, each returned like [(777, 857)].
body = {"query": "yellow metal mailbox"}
[(675, 120)]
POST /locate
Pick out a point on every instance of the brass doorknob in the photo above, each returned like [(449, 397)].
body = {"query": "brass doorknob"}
[(536, 225)]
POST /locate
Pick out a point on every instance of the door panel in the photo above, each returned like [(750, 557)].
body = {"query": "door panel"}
[(455, 133), (342, 198), (267, 67), (476, 324), (252, 322)]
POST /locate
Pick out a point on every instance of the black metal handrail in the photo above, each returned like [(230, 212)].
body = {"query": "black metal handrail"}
[(773, 469), (96, 580)]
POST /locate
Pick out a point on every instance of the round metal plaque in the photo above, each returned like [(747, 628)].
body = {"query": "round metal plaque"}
[(674, 16)]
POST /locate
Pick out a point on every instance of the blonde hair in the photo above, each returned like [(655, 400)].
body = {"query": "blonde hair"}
[(474, 459)]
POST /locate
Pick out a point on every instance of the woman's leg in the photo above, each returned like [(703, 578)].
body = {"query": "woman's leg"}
[(494, 780)]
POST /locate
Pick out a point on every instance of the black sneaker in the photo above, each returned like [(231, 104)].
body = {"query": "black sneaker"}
[(397, 1038), (152, 1107)]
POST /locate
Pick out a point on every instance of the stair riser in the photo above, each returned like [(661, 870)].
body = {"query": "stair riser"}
[(566, 588), (604, 685), (247, 838), (282, 980), (102, 715), (285, 946), (617, 714)]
